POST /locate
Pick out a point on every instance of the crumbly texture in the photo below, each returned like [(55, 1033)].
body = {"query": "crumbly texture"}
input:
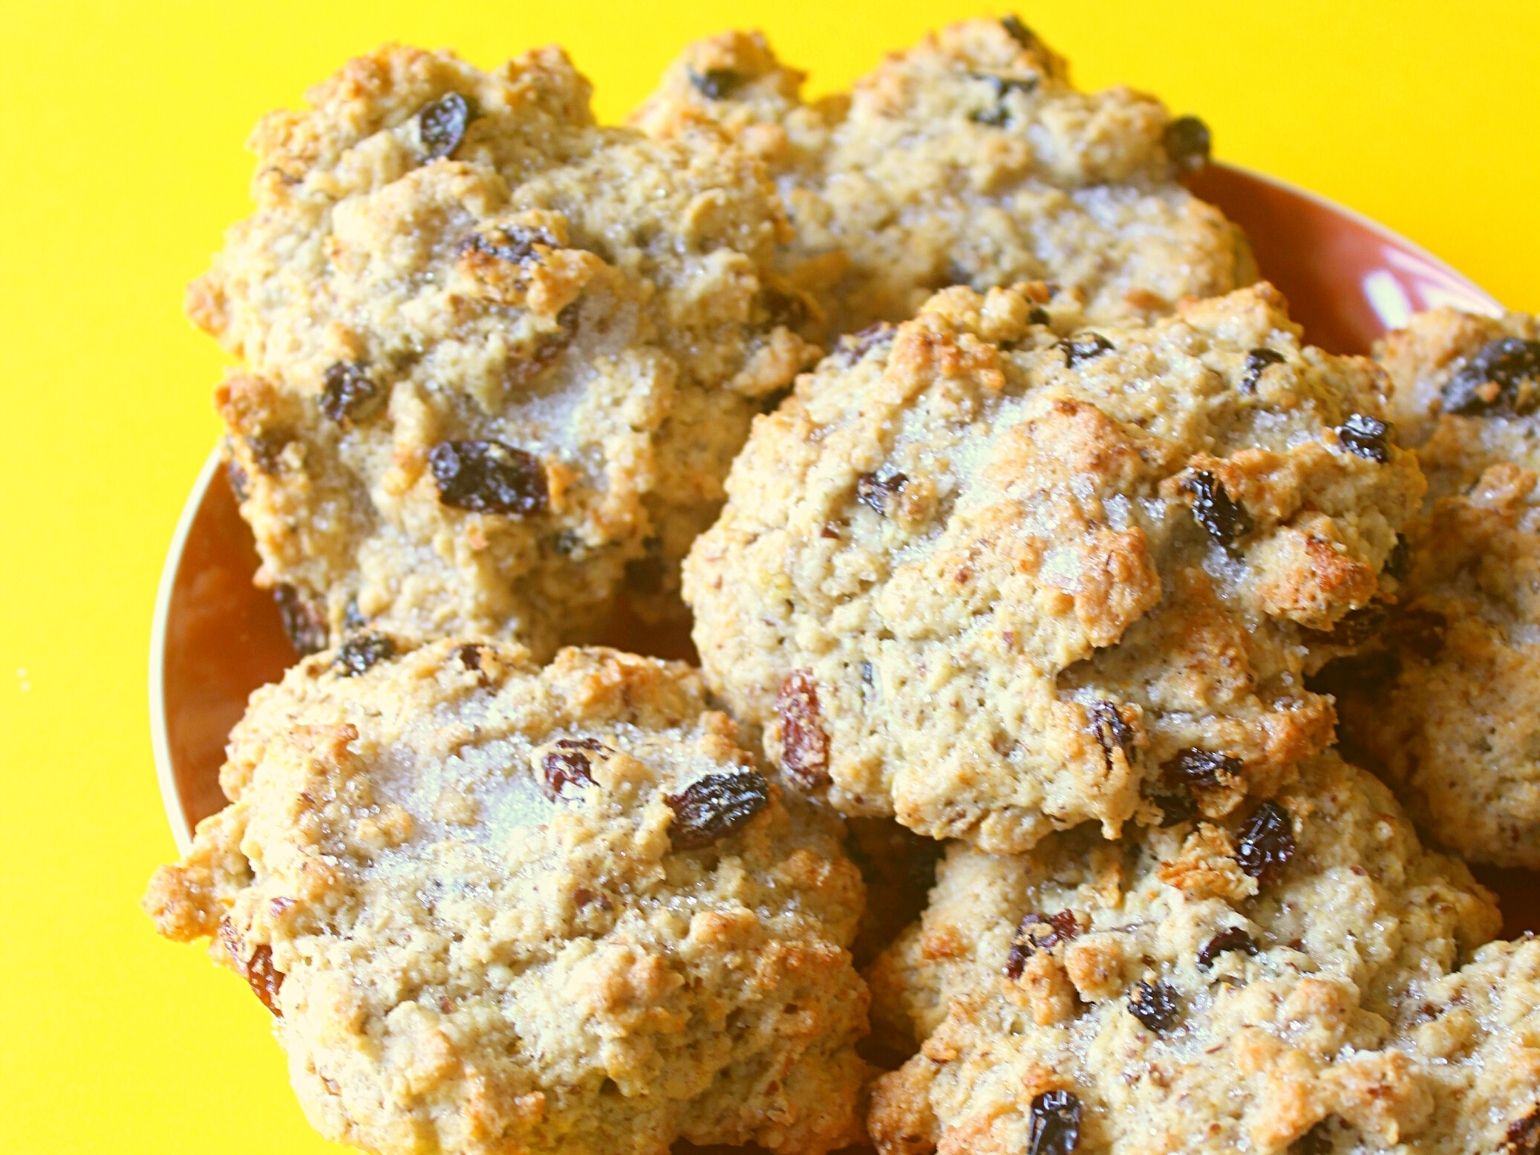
[(969, 159), (1318, 1007), (1448, 708), (441, 258), (997, 575), (498, 908)]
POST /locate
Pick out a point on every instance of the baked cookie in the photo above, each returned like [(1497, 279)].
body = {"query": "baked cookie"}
[(1449, 709), (498, 908), (1285, 982), (998, 574), (970, 159), (494, 355)]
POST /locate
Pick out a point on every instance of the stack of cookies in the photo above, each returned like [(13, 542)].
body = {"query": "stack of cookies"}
[(1039, 573)]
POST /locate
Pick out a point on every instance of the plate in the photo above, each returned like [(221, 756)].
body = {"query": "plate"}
[(216, 637)]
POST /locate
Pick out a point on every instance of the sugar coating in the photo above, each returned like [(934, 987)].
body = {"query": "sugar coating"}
[(462, 961), (962, 577)]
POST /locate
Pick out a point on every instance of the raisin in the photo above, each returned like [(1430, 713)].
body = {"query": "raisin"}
[(1018, 31), (1422, 632), (1055, 1124), (1266, 842), (301, 621), (240, 484), (256, 968), (997, 115), (1195, 767), (569, 764), (714, 806), (1357, 627), (362, 651), (854, 346), (488, 477), (804, 745), (1231, 938), (1039, 316), (1399, 562), (1084, 347), (1212, 507), (1366, 436), (1155, 1005), (441, 125), (1029, 939), (265, 447), (716, 83), (514, 245), (1188, 143), (878, 492), (1175, 808), (1112, 733), (1256, 362), (1523, 1137), (866, 673), (347, 394), (1503, 377)]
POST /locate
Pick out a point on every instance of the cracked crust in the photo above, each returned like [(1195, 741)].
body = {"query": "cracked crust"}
[(1454, 719), (990, 522), (1342, 1003), (967, 159), (460, 962), (595, 300)]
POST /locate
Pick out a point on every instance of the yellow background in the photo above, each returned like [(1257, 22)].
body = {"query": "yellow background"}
[(121, 129)]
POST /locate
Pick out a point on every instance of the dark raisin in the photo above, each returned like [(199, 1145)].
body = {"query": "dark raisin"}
[(265, 448), (878, 492), (240, 484), (514, 245), (1018, 31), (1523, 1137), (1422, 632), (301, 621), (1366, 436), (1212, 507), (854, 346), (1155, 1005), (347, 394), (1038, 316), (1112, 733), (998, 114), (441, 125), (1084, 347), (362, 651), (804, 745), (1266, 842), (255, 967), (1503, 377), (488, 477), (1398, 564), (1231, 938), (1055, 1124), (1256, 362), (1188, 143), (714, 806), (1036, 932), (569, 765), (1195, 767), (1175, 808), (716, 83)]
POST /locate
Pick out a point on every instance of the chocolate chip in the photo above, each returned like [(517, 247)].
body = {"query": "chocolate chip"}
[(1155, 1005), (1084, 347), (1231, 938), (512, 244), (569, 764), (347, 394), (1055, 1123), (1256, 362), (441, 125), (301, 620), (714, 806), (1195, 767), (1501, 378), (1523, 1137), (804, 745), (878, 492), (1036, 932), (1188, 143), (488, 477), (362, 651), (1266, 842), (1111, 732), (716, 83), (1212, 507), (1366, 436), (256, 966), (1018, 31)]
